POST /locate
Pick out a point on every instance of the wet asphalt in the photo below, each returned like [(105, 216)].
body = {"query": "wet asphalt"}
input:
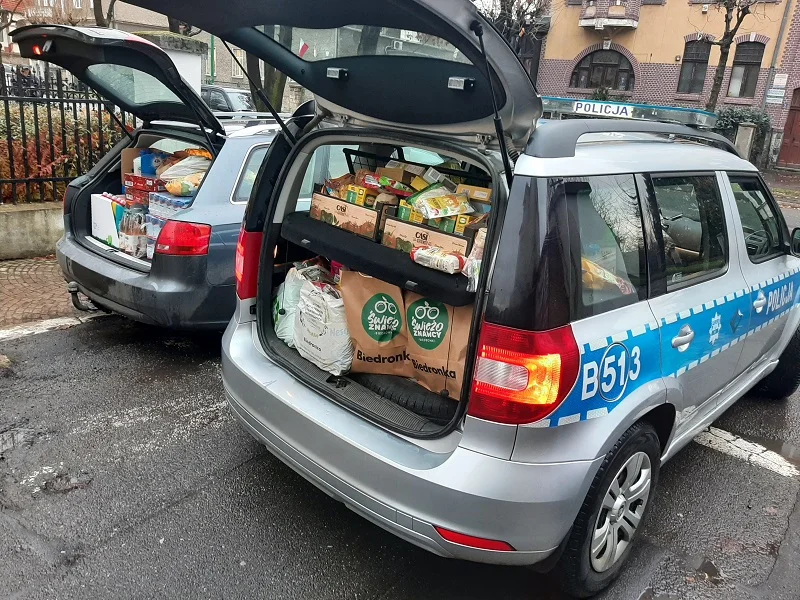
[(123, 475)]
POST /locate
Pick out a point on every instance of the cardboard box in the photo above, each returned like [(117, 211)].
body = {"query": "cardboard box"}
[(145, 184), (134, 196), (106, 215), (360, 220), (419, 184), (475, 193), (406, 212), (400, 171), (400, 235), (356, 194)]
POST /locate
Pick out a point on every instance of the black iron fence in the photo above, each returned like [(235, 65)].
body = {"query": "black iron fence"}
[(52, 129)]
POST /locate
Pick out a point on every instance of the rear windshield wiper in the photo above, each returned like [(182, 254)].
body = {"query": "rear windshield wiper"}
[(262, 95)]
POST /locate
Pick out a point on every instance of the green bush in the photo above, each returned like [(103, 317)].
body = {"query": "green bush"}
[(76, 140), (601, 93), (728, 122)]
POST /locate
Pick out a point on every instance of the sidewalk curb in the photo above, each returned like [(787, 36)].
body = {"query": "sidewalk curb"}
[(26, 329)]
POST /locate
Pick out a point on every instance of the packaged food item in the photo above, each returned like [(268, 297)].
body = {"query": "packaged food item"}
[(150, 161), (135, 196), (148, 184), (401, 235), (320, 328), (472, 268), (419, 184), (337, 269), (376, 320), (185, 186), (356, 194), (438, 336), (401, 171), (284, 304), (335, 187), (435, 202), (406, 212), (360, 220), (475, 193), (433, 176), (201, 152), (596, 277), (186, 167), (107, 212), (436, 258)]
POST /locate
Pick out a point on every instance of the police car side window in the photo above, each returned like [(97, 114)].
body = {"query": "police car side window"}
[(759, 222), (608, 217), (693, 224)]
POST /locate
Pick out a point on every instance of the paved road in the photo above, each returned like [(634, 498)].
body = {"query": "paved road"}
[(123, 475), (791, 212)]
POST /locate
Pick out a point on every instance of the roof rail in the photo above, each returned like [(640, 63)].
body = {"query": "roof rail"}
[(557, 139)]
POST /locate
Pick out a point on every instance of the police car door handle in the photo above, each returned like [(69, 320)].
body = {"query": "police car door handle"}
[(681, 341), (760, 302)]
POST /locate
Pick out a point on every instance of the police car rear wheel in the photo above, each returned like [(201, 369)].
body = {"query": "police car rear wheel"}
[(612, 513), (785, 379)]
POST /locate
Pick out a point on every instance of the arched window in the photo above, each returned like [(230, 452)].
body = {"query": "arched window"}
[(693, 69), (603, 68), (746, 67)]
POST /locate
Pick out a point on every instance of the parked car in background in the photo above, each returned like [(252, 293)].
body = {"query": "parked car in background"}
[(224, 99), (189, 282)]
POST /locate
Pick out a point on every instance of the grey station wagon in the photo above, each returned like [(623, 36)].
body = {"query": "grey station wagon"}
[(637, 279)]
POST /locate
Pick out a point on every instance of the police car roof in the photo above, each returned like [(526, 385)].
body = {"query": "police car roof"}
[(618, 153)]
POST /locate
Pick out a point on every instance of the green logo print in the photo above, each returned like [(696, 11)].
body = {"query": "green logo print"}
[(427, 323), (381, 318)]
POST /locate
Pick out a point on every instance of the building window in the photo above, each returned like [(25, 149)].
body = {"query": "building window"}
[(746, 67), (237, 71), (603, 68), (693, 69), (77, 3)]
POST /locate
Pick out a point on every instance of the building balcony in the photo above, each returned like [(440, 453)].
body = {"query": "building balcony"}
[(602, 14)]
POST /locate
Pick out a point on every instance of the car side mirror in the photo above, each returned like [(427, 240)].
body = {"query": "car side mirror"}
[(795, 243)]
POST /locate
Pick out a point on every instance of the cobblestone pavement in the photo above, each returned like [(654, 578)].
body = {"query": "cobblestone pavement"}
[(32, 289)]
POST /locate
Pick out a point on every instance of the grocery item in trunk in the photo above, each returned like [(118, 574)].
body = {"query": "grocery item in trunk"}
[(403, 236), (376, 320), (107, 213), (472, 268), (436, 201), (320, 328), (475, 193), (438, 335), (184, 186), (434, 257), (284, 305), (360, 220)]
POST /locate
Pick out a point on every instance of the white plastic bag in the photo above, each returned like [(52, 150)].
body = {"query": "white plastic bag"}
[(285, 305), (320, 328), (188, 166)]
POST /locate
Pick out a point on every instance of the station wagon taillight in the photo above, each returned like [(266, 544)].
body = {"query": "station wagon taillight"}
[(522, 376), (248, 251), (178, 238)]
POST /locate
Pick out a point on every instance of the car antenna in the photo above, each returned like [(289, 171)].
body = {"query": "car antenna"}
[(262, 95), (477, 29)]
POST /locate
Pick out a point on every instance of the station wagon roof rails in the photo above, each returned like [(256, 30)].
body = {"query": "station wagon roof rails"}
[(558, 139)]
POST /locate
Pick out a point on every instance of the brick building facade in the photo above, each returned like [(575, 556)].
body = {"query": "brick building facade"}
[(656, 52)]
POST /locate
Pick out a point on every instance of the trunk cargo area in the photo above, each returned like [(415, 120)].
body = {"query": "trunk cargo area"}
[(351, 313), (121, 212)]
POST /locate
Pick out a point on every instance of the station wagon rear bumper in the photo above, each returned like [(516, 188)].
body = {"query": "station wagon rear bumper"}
[(395, 483)]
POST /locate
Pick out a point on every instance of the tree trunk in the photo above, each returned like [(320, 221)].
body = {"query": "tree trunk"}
[(253, 65), (99, 15), (719, 75), (368, 43), (174, 24)]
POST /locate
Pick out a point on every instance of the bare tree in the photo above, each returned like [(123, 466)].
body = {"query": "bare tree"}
[(272, 81), (7, 19), (182, 27), (734, 13), (513, 18), (101, 18), (61, 13)]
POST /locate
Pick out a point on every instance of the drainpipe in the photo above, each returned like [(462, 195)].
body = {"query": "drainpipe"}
[(776, 52), (213, 62)]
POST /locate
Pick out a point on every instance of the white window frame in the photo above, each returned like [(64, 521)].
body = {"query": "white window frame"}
[(236, 71)]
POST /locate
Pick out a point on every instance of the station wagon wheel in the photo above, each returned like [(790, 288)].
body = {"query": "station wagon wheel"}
[(621, 512), (612, 513)]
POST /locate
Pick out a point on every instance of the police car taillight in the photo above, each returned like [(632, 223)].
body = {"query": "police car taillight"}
[(522, 376)]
